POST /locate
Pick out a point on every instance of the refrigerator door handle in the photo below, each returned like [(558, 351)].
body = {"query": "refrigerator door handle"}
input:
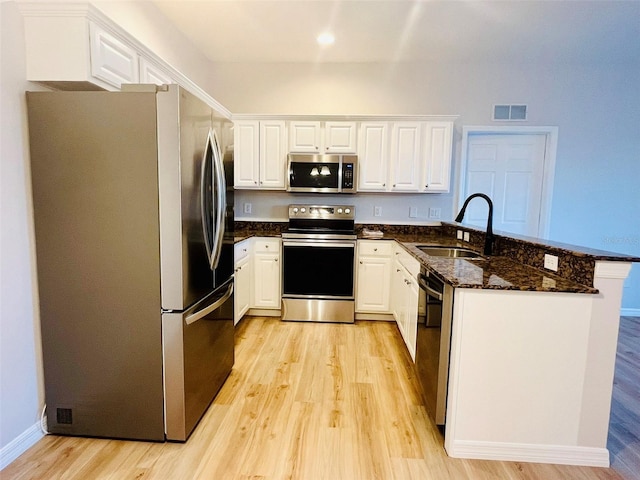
[(205, 200), (221, 198), (194, 317)]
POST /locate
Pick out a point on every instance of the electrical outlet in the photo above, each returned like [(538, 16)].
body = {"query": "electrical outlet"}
[(377, 211), (550, 262), (434, 212), (466, 236), (413, 212), (459, 234), (247, 208)]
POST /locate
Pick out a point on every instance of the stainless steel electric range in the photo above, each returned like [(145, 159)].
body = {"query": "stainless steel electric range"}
[(318, 264)]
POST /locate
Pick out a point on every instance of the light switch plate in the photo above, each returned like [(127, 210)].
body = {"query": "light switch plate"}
[(434, 212), (413, 212)]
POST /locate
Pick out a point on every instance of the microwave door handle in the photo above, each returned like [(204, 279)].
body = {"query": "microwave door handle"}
[(205, 206), (221, 195)]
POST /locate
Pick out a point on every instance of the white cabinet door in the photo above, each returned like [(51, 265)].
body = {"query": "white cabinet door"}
[(304, 137), (242, 292), (373, 157), (438, 143), (373, 285), (111, 60), (266, 267), (273, 154), (405, 157), (340, 137), (411, 321), (373, 276), (246, 163), (151, 73)]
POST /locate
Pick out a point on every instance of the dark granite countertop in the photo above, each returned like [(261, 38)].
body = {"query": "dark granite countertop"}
[(493, 273), (514, 267)]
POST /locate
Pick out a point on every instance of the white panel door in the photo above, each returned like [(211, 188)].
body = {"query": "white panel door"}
[(509, 169)]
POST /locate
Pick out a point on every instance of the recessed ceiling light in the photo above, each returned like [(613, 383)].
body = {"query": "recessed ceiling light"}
[(326, 38)]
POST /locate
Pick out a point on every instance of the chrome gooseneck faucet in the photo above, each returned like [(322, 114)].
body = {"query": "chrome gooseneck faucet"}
[(489, 238)]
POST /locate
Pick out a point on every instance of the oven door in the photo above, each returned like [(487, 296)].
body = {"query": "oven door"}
[(318, 269), (317, 281)]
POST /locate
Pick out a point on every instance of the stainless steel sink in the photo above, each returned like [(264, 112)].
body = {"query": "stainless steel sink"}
[(450, 252)]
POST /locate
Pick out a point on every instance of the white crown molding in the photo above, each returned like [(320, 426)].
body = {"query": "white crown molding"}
[(345, 117)]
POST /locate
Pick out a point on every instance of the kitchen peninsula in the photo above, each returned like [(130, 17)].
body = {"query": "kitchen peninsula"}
[(532, 350)]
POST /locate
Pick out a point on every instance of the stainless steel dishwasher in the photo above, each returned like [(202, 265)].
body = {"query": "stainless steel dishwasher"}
[(434, 343)]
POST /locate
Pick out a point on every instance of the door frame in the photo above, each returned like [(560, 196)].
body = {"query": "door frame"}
[(548, 168)]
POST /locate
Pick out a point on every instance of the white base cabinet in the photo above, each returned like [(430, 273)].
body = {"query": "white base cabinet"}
[(373, 276), (266, 269), (405, 297), (243, 273)]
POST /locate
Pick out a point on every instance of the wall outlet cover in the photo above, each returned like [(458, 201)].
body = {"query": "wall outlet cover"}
[(377, 211), (247, 208), (551, 262), (413, 212)]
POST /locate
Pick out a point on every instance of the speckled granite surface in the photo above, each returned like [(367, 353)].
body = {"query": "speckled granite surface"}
[(516, 263)]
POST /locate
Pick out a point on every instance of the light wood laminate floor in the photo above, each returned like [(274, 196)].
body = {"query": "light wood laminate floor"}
[(304, 401)]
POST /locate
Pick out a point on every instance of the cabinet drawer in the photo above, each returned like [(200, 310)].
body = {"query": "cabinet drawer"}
[(375, 247), (240, 250), (262, 245)]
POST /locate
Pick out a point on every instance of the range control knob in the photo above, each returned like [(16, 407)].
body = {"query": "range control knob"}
[(302, 210), (347, 211), (295, 209), (339, 210)]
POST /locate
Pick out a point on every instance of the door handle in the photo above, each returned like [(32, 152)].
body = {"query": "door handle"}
[(194, 317)]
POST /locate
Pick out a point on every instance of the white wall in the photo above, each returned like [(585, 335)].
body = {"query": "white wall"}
[(596, 201), (21, 392)]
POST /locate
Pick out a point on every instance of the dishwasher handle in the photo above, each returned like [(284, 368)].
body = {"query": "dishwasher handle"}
[(429, 289)]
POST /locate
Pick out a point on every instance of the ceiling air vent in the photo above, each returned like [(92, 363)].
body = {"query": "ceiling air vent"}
[(510, 112)]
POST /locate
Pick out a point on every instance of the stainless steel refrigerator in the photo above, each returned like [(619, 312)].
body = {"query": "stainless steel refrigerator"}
[(134, 250)]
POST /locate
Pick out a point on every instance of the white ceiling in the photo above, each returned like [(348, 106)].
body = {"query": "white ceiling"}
[(536, 31)]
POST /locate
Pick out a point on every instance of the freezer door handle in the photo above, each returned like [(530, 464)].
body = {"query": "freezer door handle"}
[(194, 317)]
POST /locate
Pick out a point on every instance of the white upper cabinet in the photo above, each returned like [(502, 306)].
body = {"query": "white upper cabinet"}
[(317, 137), (304, 137), (373, 156), (112, 60), (437, 153), (152, 73), (406, 156), (260, 154), (340, 137)]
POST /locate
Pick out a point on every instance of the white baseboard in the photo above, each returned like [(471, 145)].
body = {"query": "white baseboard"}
[(557, 454), (630, 312), (20, 444)]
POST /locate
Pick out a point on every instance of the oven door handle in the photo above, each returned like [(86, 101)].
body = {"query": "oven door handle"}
[(318, 244)]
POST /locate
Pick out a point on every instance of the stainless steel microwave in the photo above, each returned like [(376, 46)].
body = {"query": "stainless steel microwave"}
[(321, 173)]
